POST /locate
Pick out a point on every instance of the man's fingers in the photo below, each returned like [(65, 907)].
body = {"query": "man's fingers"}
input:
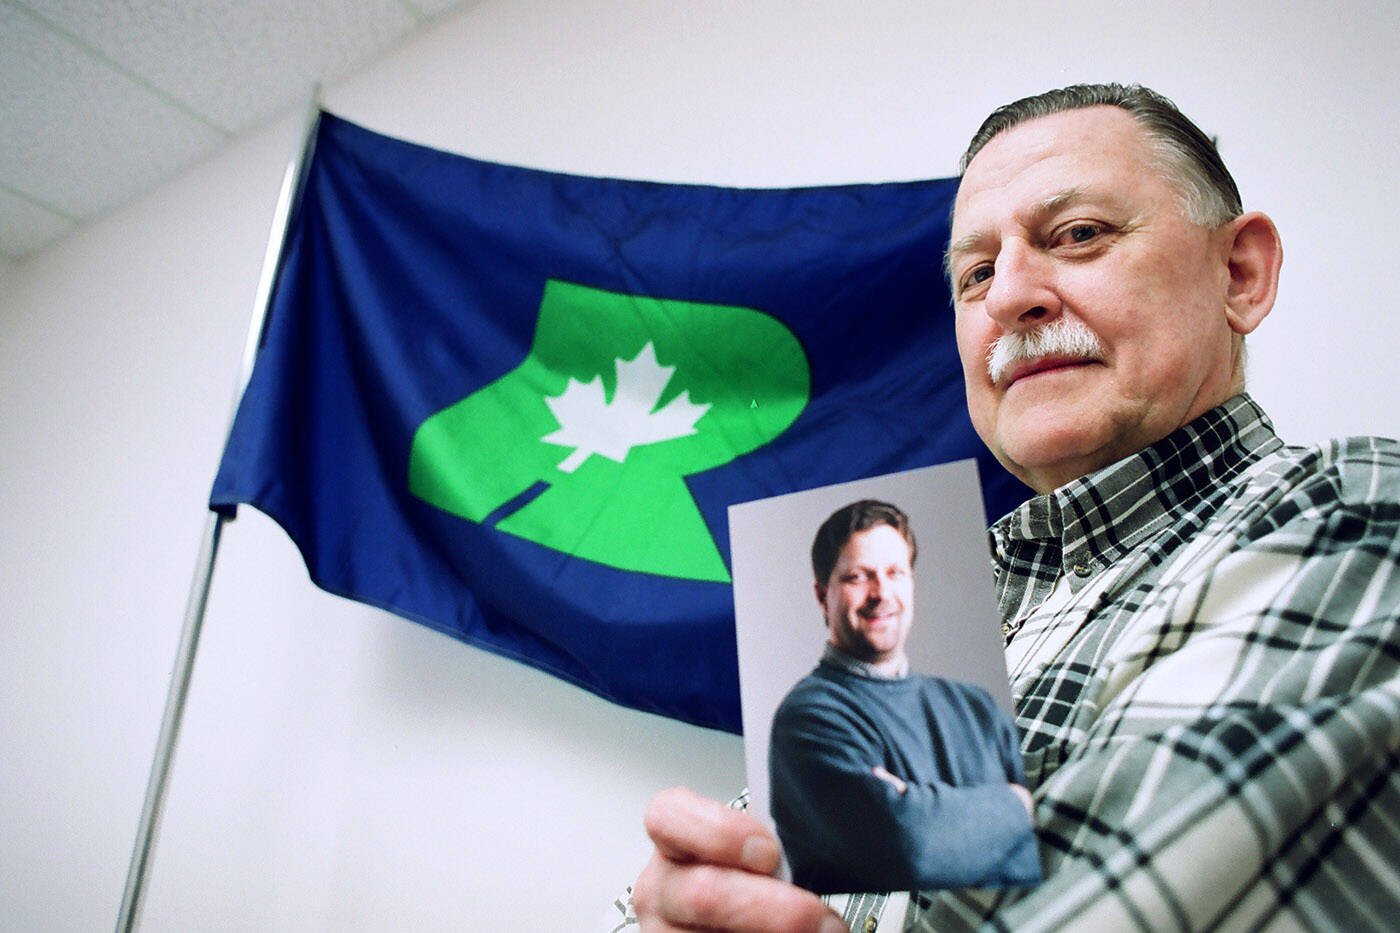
[(689, 828), (712, 871), (671, 896)]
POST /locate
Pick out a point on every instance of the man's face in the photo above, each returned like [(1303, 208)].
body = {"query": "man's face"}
[(1068, 217), (868, 600)]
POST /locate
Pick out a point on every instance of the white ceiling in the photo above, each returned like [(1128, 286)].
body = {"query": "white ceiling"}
[(101, 100)]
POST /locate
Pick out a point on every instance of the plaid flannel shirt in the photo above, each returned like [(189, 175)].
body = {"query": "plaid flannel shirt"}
[(1211, 714), (1211, 720)]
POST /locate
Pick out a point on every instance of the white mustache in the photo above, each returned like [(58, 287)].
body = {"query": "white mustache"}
[(1064, 336)]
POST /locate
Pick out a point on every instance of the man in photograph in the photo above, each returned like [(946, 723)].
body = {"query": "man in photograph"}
[(882, 779)]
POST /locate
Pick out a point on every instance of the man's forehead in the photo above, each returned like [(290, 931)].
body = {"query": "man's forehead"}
[(878, 542), (1044, 165), (1080, 129)]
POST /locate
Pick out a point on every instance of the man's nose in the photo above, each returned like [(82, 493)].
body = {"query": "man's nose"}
[(1022, 293)]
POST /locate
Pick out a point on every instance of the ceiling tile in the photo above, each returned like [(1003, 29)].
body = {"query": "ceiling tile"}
[(81, 138), (236, 62), (101, 100), (27, 228)]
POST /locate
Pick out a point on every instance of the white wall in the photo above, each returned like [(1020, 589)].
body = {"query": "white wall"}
[(343, 769)]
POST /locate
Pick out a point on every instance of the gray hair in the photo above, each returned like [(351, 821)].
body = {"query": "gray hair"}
[(1209, 196)]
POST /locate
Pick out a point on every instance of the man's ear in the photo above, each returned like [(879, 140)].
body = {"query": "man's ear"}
[(820, 589), (1255, 254)]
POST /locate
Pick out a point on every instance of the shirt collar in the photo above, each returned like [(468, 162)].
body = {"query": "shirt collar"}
[(833, 656), (1090, 522)]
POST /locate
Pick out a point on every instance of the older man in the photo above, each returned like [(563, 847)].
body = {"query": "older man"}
[(881, 777), (1202, 622)]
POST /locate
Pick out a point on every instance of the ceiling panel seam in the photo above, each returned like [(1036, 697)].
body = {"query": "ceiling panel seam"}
[(36, 202), (155, 90)]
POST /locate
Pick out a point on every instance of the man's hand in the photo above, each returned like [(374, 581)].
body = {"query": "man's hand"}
[(712, 870)]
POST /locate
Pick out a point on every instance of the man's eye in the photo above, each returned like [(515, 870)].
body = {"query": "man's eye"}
[(1082, 233), (977, 276)]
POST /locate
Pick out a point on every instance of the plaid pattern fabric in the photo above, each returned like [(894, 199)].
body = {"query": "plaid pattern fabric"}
[(1210, 714), (1211, 718)]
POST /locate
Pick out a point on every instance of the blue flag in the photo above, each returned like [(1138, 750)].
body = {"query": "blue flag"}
[(515, 405)]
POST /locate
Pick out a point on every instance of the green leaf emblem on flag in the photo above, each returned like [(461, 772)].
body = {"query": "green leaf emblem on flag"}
[(620, 398)]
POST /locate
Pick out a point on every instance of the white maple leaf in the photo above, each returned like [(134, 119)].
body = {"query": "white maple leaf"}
[(592, 424)]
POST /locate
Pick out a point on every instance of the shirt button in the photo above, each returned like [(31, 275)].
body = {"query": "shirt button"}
[(1082, 569), (870, 924)]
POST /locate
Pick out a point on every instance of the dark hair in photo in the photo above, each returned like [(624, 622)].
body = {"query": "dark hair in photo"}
[(845, 522)]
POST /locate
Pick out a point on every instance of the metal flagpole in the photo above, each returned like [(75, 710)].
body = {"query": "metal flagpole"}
[(154, 805)]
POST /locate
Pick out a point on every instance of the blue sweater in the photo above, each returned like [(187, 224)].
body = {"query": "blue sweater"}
[(845, 830)]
